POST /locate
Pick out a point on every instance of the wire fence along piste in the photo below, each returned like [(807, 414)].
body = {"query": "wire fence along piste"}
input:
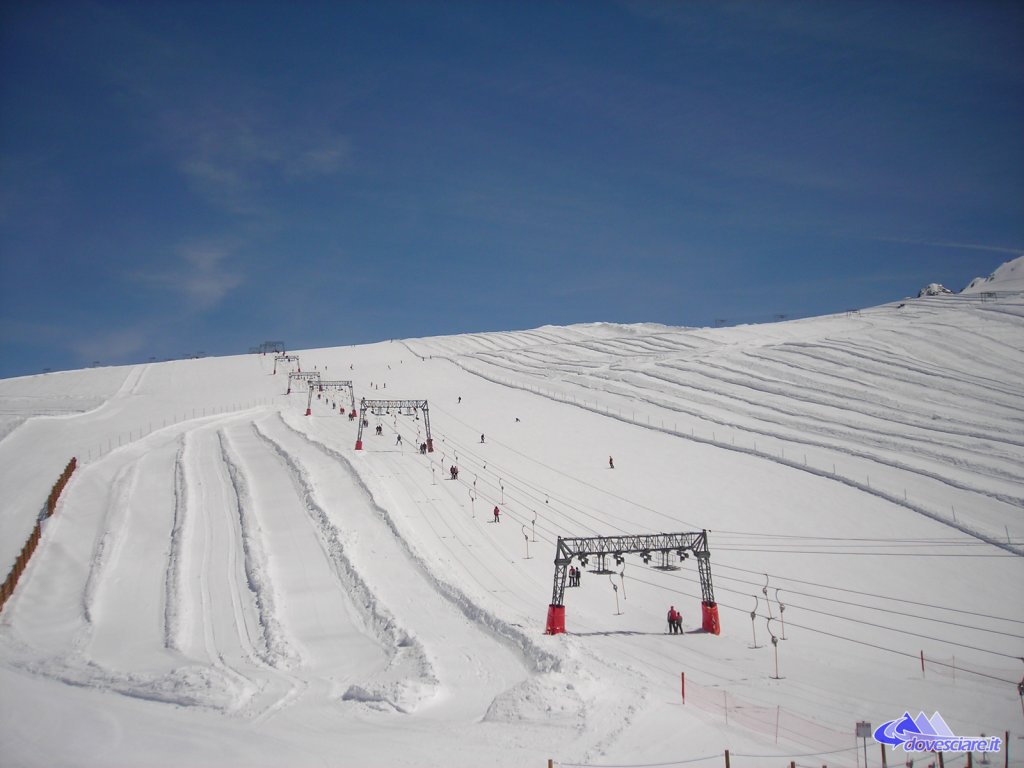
[(113, 442), (21, 563), (774, 721)]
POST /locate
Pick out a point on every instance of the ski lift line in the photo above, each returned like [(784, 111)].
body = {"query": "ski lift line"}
[(547, 535), (551, 534), (917, 539), (958, 667), (940, 621), (872, 624), (636, 504), (456, 536), (863, 622), (862, 605), (509, 511), (642, 506), (461, 554), (495, 469), (839, 542), (492, 466), (971, 543), (882, 626), (536, 499), (469, 466), (577, 480), (833, 553), (520, 598), (548, 496), (867, 594)]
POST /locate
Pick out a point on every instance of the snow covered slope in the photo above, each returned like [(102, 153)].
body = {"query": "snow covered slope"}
[(228, 582)]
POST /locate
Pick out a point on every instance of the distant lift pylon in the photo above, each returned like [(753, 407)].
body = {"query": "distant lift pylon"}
[(287, 359), (332, 386), (310, 377)]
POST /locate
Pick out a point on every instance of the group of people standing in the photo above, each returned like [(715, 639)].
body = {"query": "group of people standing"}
[(675, 621), (574, 576)]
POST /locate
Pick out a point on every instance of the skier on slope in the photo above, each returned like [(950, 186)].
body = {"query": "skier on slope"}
[(497, 513)]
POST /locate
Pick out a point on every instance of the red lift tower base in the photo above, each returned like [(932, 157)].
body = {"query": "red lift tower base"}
[(556, 620), (709, 617)]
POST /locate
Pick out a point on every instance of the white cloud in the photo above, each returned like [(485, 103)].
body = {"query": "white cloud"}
[(230, 158), (206, 280), (947, 244), (202, 275)]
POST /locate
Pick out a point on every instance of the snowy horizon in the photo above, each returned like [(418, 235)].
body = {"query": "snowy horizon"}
[(226, 581)]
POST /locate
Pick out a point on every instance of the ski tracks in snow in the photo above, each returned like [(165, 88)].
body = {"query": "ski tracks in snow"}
[(314, 612), (551, 686), (465, 655)]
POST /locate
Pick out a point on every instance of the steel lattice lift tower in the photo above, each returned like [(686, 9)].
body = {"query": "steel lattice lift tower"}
[(287, 359), (271, 346), (643, 544), (310, 377), (332, 386), (411, 406)]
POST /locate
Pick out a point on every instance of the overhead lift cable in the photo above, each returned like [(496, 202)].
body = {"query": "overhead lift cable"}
[(957, 668)]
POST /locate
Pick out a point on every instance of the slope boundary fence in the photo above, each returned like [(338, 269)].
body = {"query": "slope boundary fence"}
[(119, 439), (33, 540), (772, 721)]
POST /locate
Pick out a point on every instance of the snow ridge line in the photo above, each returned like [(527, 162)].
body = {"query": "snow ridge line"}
[(395, 639), (277, 651), (765, 380), (539, 660), (760, 369), (870, 439), (173, 584), (864, 487)]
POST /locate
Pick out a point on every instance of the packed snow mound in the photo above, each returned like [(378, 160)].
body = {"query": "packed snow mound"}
[(933, 289), (1008, 277)]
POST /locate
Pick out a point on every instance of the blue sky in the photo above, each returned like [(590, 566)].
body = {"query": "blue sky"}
[(183, 177)]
